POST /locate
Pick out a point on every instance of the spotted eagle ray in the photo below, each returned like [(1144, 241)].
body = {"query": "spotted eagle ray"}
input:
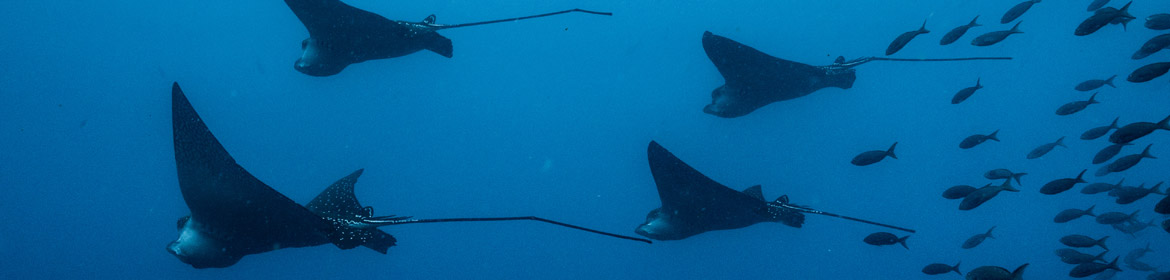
[(754, 79), (234, 214), (692, 203), (340, 35)]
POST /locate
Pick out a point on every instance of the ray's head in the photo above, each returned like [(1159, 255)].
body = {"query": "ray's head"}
[(198, 248), (314, 60), (659, 226), (724, 103)]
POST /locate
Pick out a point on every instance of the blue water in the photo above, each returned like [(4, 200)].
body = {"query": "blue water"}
[(551, 117)]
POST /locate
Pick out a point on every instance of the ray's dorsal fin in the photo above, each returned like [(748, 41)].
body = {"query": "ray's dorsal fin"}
[(225, 197), (756, 192)]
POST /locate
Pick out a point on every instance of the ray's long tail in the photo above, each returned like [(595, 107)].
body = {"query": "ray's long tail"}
[(438, 26), (942, 59), (399, 221), (819, 212)]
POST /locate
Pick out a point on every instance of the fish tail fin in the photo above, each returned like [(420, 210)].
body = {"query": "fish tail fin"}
[(1114, 124), (1019, 272), (1017, 177), (441, 45), (989, 232), (1164, 124), (994, 135), (903, 242), (1060, 142), (1016, 28), (923, 28), (956, 267), (1146, 152), (977, 82), (1010, 188), (1156, 190), (1113, 265), (890, 151), (1100, 256), (1109, 81), (1101, 242), (1093, 99), (973, 24), (1081, 177), (1089, 212)]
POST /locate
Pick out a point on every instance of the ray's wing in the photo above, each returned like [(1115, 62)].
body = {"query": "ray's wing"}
[(325, 18), (339, 204), (221, 194), (744, 66), (681, 187)]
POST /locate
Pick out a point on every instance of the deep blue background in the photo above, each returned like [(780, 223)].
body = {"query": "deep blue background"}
[(551, 117)]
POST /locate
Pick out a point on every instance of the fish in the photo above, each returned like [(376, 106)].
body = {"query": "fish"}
[(991, 38), (958, 32), (1110, 218), (1001, 173), (693, 203), (1096, 188), (1076, 106), (1133, 131), (1095, 5), (1097, 132), (1148, 72), (1166, 225), (1133, 227), (996, 273), (974, 140), (1102, 17), (1071, 256), (1135, 255), (1088, 269), (885, 238), (940, 268), (1072, 214), (965, 93), (958, 192), (1158, 21), (871, 157), (1158, 276), (754, 79), (1063, 184), (1044, 149), (1108, 153), (1081, 241), (903, 39), (341, 35), (1125, 163), (1017, 11), (984, 194), (1095, 84), (1152, 46), (977, 239), (1127, 195), (1163, 206)]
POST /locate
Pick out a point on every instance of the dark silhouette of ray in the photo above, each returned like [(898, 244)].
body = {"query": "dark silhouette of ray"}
[(754, 79)]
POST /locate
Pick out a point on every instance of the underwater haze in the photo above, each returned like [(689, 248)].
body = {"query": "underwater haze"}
[(551, 117)]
